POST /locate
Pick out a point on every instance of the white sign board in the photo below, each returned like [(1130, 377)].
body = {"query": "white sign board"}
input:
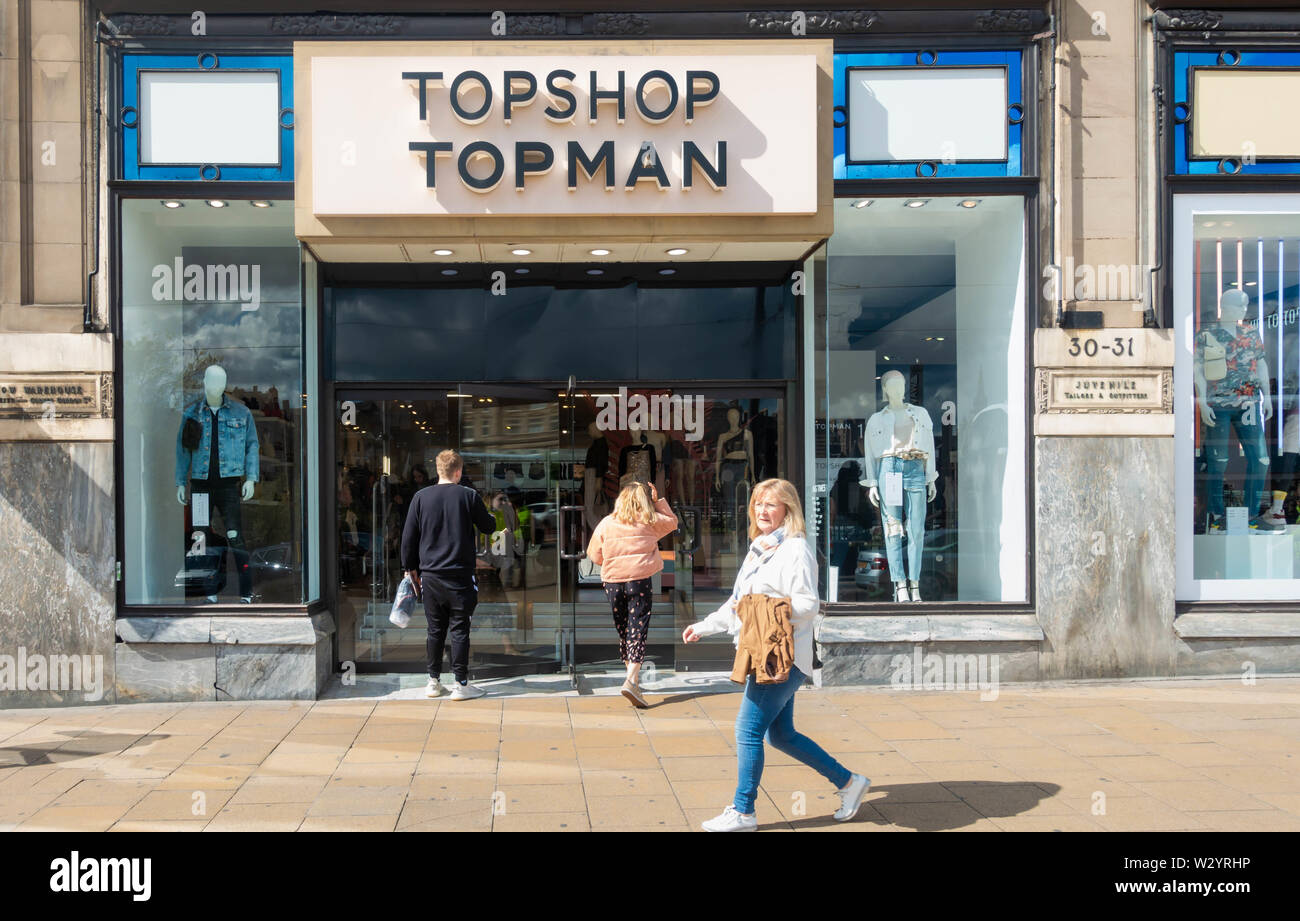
[(660, 135), (945, 114), (205, 117)]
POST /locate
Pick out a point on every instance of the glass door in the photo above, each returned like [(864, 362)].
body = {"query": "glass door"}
[(385, 446)]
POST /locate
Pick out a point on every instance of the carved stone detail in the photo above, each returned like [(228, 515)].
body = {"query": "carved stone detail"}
[(620, 24), (136, 24), (1195, 20), (535, 25), (337, 25), (1004, 21), (814, 20)]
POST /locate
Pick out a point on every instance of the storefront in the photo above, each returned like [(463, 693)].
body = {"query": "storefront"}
[(707, 262)]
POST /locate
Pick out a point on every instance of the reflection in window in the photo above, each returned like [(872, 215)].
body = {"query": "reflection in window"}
[(921, 426), (212, 414), (1245, 363)]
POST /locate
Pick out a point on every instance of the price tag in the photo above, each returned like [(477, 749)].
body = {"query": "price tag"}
[(199, 510), (893, 488), (1238, 520)]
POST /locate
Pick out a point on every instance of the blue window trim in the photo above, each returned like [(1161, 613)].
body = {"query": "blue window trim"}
[(1185, 63), (1013, 63), (128, 118)]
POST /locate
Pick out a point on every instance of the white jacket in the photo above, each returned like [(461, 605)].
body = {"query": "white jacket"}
[(880, 438), (790, 573)]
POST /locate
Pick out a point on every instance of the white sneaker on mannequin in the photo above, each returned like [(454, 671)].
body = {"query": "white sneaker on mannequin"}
[(915, 589)]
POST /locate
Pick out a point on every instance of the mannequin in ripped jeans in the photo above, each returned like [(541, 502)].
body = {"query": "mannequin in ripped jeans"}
[(900, 445)]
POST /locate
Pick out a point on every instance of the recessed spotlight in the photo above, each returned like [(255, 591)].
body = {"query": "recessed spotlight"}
[(863, 203), (1251, 284), (940, 338), (916, 202), (968, 203), (595, 271), (600, 252), (522, 252), (667, 271), (678, 251), (886, 358), (216, 203), (443, 252), (260, 204), (449, 272), (1208, 223), (173, 204), (521, 271), (929, 338)]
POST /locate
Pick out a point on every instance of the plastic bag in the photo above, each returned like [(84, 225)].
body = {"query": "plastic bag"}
[(403, 604)]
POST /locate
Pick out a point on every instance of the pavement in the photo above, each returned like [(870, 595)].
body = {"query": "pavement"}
[(377, 756)]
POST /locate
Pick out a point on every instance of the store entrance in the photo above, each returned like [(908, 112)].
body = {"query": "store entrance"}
[(548, 462)]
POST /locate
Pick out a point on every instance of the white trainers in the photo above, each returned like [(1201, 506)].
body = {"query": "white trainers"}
[(434, 688), (465, 691), (851, 797), (731, 820), (633, 693)]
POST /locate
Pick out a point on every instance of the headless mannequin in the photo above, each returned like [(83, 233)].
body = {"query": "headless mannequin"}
[(214, 388), (892, 385), (1232, 310), (593, 484)]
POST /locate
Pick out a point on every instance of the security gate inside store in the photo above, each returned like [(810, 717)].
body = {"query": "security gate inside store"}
[(548, 462)]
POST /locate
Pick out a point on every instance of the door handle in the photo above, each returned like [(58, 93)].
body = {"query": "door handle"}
[(565, 527)]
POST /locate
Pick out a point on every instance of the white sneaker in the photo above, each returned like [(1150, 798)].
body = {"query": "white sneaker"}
[(731, 820), (465, 691), (434, 688), (851, 797)]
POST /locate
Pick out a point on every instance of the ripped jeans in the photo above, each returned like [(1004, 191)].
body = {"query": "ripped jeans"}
[(906, 519), (1218, 441)]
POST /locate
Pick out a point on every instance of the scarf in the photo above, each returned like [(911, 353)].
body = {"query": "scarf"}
[(761, 550)]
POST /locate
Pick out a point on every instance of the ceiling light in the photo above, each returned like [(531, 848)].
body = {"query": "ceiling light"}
[(442, 252), (260, 204), (886, 358), (862, 203), (521, 271), (600, 252), (916, 202), (522, 252), (968, 203), (449, 272), (216, 203), (173, 204), (1251, 284), (940, 338), (1208, 223), (667, 271), (678, 251), (595, 271)]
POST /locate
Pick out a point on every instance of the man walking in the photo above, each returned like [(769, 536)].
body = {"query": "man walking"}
[(438, 554)]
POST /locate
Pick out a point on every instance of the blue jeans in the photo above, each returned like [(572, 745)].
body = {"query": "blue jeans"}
[(908, 518), (768, 710), (1218, 449)]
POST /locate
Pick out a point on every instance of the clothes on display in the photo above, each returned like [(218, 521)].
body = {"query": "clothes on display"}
[(881, 441), (224, 499), (1245, 423), (640, 461), (735, 492), (235, 443), (598, 456), (905, 519), (1241, 358)]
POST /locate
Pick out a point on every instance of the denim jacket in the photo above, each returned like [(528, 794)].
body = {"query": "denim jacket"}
[(238, 444), (880, 436)]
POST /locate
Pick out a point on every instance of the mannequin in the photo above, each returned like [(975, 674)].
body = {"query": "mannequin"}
[(595, 502), (219, 432), (733, 469), (639, 459), (1231, 375), (900, 444)]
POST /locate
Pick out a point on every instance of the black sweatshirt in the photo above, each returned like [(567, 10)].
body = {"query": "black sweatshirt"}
[(438, 536)]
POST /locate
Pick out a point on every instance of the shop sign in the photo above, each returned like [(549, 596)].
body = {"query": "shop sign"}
[(55, 396), (1130, 390), (564, 135)]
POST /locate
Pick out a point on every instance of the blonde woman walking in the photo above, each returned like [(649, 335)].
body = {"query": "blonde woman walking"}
[(780, 564), (625, 545)]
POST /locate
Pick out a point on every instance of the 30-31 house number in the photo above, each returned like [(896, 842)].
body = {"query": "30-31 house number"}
[(1090, 347)]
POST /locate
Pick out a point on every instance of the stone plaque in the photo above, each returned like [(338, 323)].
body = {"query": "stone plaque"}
[(55, 396), (1128, 390)]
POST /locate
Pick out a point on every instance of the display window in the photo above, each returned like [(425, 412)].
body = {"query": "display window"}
[(920, 424), (1237, 373), (212, 403)]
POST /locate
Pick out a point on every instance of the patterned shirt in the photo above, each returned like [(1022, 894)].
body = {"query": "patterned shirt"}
[(1244, 351)]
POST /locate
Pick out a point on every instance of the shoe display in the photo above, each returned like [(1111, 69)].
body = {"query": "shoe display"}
[(915, 589), (1273, 518), (851, 797), (900, 592), (466, 692), (731, 820)]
